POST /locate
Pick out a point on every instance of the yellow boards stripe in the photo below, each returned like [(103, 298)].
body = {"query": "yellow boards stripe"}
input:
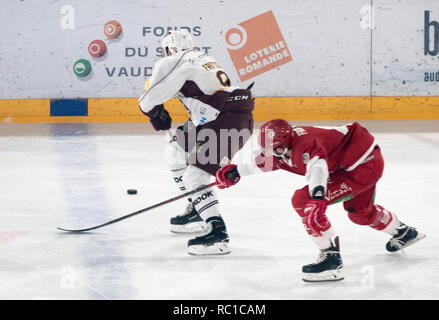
[(266, 108), (25, 108)]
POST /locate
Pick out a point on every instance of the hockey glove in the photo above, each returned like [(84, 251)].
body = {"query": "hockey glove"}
[(159, 118), (314, 218), (227, 176)]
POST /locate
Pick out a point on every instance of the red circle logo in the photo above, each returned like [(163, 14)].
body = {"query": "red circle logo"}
[(97, 48)]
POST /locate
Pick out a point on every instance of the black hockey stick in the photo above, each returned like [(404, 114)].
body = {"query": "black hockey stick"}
[(143, 210), (251, 85)]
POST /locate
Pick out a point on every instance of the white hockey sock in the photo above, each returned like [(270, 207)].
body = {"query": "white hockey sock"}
[(206, 203), (391, 227), (324, 241), (385, 221)]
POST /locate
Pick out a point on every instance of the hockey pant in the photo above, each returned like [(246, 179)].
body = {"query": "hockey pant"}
[(193, 157), (356, 189)]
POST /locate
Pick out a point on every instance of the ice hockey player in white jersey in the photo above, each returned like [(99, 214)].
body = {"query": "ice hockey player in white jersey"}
[(214, 105)]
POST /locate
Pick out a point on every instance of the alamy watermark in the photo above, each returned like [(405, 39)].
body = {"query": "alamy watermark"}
[(208, 146)]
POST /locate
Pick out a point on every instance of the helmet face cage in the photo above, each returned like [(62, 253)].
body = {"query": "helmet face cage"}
[(280, 154), (176, 41)]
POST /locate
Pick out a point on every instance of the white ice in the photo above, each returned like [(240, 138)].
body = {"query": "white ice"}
[(76, 175)]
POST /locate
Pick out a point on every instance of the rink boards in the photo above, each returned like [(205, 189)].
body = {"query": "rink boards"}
[(266, 108)]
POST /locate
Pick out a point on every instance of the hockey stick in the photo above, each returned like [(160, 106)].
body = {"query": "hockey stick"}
[(200, 188)]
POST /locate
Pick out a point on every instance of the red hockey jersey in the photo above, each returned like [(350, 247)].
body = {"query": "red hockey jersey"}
[(343, 148)]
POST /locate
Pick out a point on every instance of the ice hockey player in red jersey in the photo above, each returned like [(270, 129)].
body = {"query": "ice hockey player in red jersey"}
[(341, 164), (214, 105)]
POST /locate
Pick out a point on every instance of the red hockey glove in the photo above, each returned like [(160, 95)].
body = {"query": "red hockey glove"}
[(314, 218), (227, 176)]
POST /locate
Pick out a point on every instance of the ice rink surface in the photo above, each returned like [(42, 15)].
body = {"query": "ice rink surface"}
[(76, 175)]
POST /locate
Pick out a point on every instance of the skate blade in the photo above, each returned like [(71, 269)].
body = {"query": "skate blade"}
[(418, 238), (219, 248), (325, 276), (194, 227)]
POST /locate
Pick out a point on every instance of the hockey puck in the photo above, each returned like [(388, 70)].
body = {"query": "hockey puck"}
[(132, 191)]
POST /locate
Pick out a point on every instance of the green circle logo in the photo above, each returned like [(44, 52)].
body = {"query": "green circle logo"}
[(82, 68)]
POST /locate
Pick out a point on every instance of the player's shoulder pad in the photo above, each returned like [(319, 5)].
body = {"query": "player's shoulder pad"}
[(210, 57), (300, 131), (194, 57), (195, 54), (163, 67), (301, 137)]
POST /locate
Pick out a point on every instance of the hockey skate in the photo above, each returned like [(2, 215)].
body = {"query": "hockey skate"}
[(406, 236), (188, 222), (328, 266), (214, 242)]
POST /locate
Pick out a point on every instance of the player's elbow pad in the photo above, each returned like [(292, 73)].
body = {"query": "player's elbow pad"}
[(317, 175), (143, 105), (219, 99)]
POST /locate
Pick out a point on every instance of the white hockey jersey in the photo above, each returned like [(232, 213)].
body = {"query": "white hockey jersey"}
[(194, 78)]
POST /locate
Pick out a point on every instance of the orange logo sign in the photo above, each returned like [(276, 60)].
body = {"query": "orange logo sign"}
[(256, 46)]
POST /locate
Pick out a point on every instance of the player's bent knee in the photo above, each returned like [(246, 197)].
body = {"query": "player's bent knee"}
[(299, 200), (174, 156), (194, 177), (363, 217)]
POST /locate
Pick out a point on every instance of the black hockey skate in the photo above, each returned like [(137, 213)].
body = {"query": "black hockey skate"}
[(406, 236), (188, 222), (328, 266), (214, 242)]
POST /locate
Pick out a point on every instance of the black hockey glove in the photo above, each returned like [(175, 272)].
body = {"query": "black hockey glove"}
[(159, 118)]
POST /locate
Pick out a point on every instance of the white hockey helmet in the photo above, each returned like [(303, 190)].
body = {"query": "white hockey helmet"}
[(176, 41)]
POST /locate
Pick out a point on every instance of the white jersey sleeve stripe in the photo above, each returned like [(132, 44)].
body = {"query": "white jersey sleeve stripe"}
[(363, 157), (342, 129)]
